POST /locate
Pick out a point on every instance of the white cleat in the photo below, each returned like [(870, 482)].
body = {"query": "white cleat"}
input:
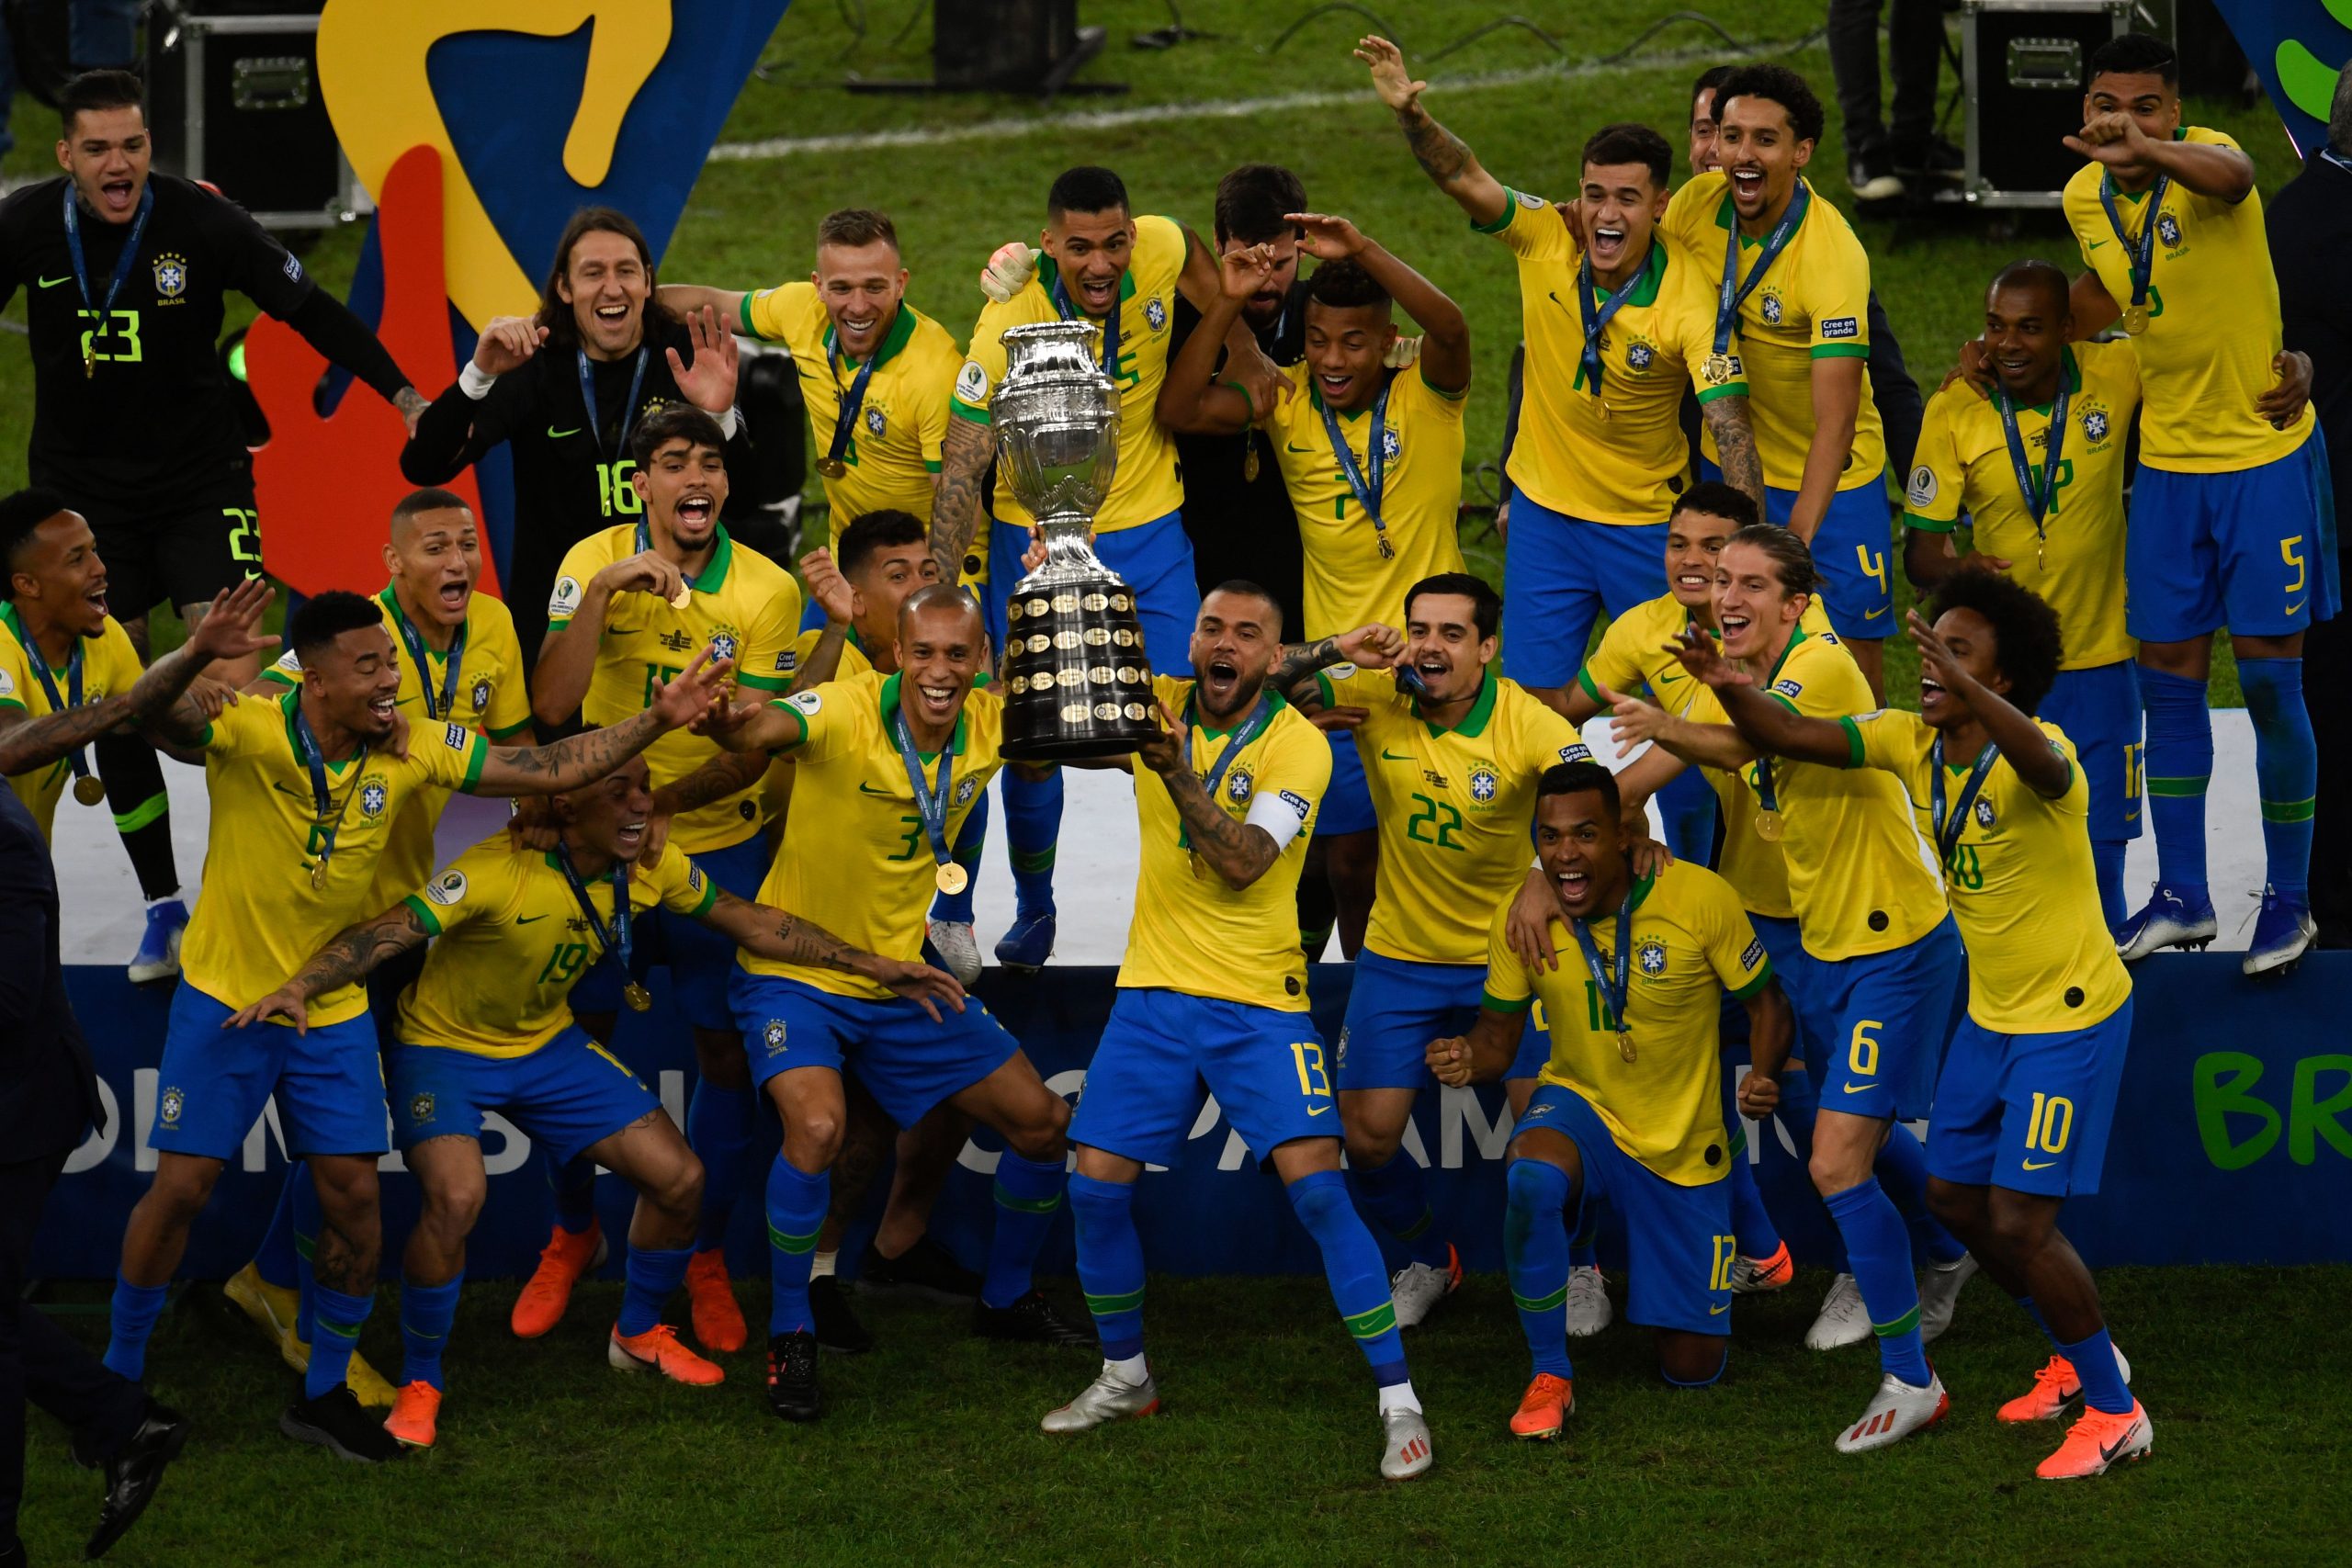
[(959, 948), (1939, 1293), (1895, 1411), (1109, 1398), (1416, 1288), (1843, 1319), (1406, 1452), (1588, 1308)]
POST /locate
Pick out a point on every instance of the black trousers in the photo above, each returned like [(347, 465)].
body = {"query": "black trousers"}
[(40, 1361), (2327, 676), (1915, 51)]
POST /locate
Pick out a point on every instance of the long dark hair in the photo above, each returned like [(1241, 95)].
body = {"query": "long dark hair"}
[(555, 315)]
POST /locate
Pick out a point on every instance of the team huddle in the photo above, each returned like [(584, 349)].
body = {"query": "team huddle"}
[(774, 786)]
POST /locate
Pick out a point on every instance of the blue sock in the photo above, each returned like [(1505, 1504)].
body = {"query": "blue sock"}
[(1110, 1262), (1751, 1225), (426, 1312), (308, 1220), (1800, 1103), (277, 1262), (719, 1129), (796, 1204), (1351, 1263), (1032, 825), (654, 1276), (2033, 1310), (1397, 1197), (1028, 1196), (2103, 1385), (336, 1336), (136, 1308), (2285, 770), (970, 839), (574, 1185), (1879, 1254), (2106, 859), (1535, 1256), (2178, 766), (1902, 1172)]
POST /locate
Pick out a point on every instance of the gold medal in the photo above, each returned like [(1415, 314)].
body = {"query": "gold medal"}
[(1387, 550), (682, 598), (2135, 319), (1603, 408), (318, 875), (638, 997), (1199, 874), (952, 879), (1718, 370), (89, 789), (1768, 826), (89, 362), (832, 468), (1625, 1044), (1249, 462)]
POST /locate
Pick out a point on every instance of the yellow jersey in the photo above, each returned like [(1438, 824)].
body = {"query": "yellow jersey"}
[(1192, 933), (109, 667), (902, 419), (745, 607), (1861, 879), (2023, 889), (1349, 583), (1454, 806), (258, 918), (856, 858), (1812, 304), (2213, 323), (1146, 485), (1627, 464), (1691, 942), (493, 989), (490, 695)]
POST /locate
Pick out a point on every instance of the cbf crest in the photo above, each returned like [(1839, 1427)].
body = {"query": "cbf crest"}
[(2168, 231), (482, 694), (1771, 309), (1984, 814), (1638, 355), (773, 1035), (875, 422), (1238, 786), (1154, 312), (171, 277), (420, 1107), (374, 794), (2095, 424), (723, 643), (965, 788), (1482, 784), (1651, 956), (1392, 446)]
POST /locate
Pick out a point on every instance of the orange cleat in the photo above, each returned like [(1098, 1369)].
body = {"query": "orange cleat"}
[(1544, 1409), (659, 1349), (718, 1322), (417, 1411), (565, 1258), (2056, 1389), (2098, 1441), (1752, 1275)]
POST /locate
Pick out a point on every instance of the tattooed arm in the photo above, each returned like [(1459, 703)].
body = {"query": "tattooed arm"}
[(789, 938), (568, 764), (354, 953), (1444, 156), (1735, 436), (956, 510), (730, 773), (1375, 646), (1240, 852)]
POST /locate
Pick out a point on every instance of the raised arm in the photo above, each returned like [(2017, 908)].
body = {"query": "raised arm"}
[(567, 654), (2042, 766), (2116, 140), (965, 453), (567, 764), (686, 298), (350, 957), (1444, 156), (730, 773), (1239, 852), (1446, 331), (1191, 401), (1768, 726), (1375, 646), (789, 938)]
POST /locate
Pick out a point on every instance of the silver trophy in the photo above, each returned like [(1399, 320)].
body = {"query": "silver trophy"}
[(1077, 681)]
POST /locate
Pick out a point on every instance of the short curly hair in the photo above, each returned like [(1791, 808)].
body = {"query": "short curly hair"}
[(2026, 647)]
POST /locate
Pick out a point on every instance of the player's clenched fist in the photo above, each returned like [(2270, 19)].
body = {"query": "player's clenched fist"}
[(1449, 1061)]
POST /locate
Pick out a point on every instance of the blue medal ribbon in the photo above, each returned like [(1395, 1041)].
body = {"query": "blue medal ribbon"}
[(1596, 320), (1367, 488), (72, 697), (615, 939), (1614, 981), (1735, 293), (931, 803), (322, 793), (2039, 498), (628, 408), (2141, 252), (852, 401), (420, 655), (1947, 837), (1243, 733), (122, 264), (1109, 324), (644, 542)]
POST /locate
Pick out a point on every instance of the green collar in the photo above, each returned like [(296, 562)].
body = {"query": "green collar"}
[(1793, 641), (1482, 709), (723, 556), (2070, 376), (391, 603), (1047, 272), (1315, 398), (288, 705), (1645, 292), (901, 330), (16, 626), (890, 706), (1727, 216), (1193, 710), (1641, 886)]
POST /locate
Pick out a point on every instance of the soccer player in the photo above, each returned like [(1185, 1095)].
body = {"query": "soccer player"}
[(486, 1028), (630, 606), (2038, 468), (305, 791), (1796, 310), (885, 770), (1452, 751), (2026, 1096), (564, 388), (1600, 457), (1629, 1108), (1211, 997), (2232, 517), (1372, 458), (135, 423)]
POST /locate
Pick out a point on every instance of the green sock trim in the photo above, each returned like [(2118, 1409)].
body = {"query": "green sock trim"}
[(1026, 1205), (337, 1329), (306, 1247), (419, 1334), (1104, 1306), (1738, 1141), (783, 1243), (1903, 1325), (153, 810), (2286, 811), (1031, 860), (1541, 1304), (2179, 789), (1373, 1324)]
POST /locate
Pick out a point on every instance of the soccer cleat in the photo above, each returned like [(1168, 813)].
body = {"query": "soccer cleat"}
[(1544, 1409), (2054, 1391), (1588, 1308), (1939, 1293), (1843, 1319), (370, 1387), (792, 1376), (2167, 920), (158, 957), (1031, 1320), (1896, 1411), (1109, 1398), (958, 947), (335, 1423), (2283, 930), (659, 1349), (1750, 1276), (1405, 1445), (926, 1267), (718, 1322), (1416, 1288), (415, 1416), (1029, 943), (277, 1310), (838, 1329), (2098, 1441), (567, 1256)]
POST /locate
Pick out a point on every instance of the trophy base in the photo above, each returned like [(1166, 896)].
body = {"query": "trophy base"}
[(1078, 682), (1070, 748)]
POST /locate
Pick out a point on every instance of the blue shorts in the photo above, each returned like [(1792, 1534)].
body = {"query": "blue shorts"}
[(1562, 572), (1347, 799), (1851, 552), (907, 1062), (2030, 1112), (2099, 710), (570, 1094), (2253, 550), (1534, 1044), (1154, 558), (214, 1082), (1395, 1009), (1162, 1053), (1679, 1240), (700, 960), (1879, 1022)]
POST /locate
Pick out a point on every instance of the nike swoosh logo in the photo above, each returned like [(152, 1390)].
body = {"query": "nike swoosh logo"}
[(1309, 451), (864, 788), (53, 282), (1666, 680), (2107, 1455), (2297, 605), (1857, 1088), (555, 434), (1388, 756), (303, 795), (1874, 615), (1318, 1111), (526, 920), (1718, 1311), (2097, 244), (2045, 1165)]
